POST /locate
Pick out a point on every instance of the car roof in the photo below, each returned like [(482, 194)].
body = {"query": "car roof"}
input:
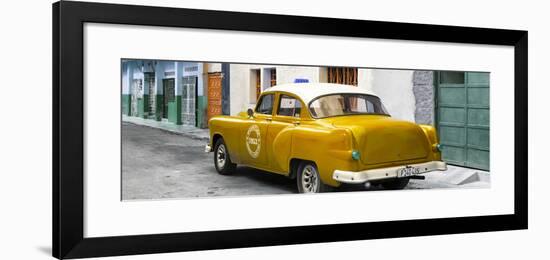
[(309, 91)]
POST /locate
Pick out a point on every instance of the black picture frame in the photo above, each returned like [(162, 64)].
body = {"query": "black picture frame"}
[(68, 157)]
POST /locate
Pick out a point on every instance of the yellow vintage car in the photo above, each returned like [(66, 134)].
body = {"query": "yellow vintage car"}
[(324, 135)]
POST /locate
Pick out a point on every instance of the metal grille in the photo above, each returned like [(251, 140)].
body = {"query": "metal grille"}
[(188, 104), (137, 94), (258, 84), (150, 85), (342, 75), (273, 77)]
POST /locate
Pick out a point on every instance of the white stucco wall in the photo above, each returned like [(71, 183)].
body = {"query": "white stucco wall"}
[(159, 69), (239, 91), (242, 81), (362, 81), (130, 70), (125, 78), (214, 67), (395, 88), (287, 74)]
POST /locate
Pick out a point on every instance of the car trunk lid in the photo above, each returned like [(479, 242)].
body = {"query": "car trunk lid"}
[(382, 139)]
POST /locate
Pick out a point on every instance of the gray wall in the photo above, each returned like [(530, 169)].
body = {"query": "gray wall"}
[(423, 90)]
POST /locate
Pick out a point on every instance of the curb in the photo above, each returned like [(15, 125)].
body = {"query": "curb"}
[(190, 135)]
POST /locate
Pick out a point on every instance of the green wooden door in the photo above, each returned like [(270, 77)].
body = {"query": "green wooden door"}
[(462, 116), (169, 95)]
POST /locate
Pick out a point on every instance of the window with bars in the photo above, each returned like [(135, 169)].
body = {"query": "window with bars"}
[(258, 84), (273, 77), (342, 75)]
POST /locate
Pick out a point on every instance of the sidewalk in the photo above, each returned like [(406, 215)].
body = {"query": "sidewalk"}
[(453, 177), (186, 130)]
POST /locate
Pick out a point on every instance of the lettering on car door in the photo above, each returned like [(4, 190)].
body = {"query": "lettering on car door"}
[(254, 132)]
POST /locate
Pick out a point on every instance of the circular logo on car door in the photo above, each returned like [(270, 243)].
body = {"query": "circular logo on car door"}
[(253, 141)]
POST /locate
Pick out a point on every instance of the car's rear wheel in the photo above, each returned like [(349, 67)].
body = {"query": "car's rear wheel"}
[(309, 180), (397, 184), (222, 161)]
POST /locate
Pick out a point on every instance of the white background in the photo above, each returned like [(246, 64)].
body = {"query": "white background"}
[(105, 215), (25, 135)]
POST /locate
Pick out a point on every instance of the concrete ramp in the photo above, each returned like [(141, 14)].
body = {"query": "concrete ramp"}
[(462, 176)]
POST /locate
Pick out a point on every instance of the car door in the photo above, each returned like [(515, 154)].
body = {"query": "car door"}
[(287, 116), (254, 132)]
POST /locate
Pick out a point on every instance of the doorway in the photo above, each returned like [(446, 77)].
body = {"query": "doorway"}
[(149, 80), (462, 118), (214, 94), (189, 101), (169, 95)]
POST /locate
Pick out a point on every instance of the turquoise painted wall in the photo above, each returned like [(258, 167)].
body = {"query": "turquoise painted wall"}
[(143, 106), (174, 111), (126, 100), (159, 107), (201, 112)]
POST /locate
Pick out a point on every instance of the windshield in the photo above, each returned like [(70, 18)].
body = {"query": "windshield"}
[(346, 104)]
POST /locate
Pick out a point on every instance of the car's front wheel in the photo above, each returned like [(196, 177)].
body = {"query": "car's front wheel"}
[(309, 180), (221, 158)]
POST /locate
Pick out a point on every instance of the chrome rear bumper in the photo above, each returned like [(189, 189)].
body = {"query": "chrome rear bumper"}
[(385, 173)]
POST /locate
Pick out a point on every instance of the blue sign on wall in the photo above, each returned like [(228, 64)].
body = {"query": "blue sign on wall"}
[(298, 80)]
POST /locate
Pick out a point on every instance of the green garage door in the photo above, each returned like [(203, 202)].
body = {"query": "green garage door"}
[(462, 116)]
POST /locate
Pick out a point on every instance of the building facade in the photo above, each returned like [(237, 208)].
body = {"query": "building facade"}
[(164, 90), (189, 93)]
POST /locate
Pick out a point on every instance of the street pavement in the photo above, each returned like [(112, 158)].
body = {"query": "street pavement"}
[(159, 164)]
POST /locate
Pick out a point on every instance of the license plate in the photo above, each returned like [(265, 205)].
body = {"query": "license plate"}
[(407, 172)]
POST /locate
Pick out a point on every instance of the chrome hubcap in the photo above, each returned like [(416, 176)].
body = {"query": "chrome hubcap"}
[(220, 156), (309, 179)]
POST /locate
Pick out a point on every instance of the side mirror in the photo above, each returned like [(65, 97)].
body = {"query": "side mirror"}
[(250, 112)]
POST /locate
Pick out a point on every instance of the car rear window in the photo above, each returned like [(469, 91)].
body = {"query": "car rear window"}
[(346, 104)]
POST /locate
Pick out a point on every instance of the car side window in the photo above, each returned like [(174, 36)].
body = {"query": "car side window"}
[(265, 106), (289, 106)]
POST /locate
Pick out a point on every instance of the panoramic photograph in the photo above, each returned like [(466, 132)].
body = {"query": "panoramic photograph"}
[(193, 129)]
